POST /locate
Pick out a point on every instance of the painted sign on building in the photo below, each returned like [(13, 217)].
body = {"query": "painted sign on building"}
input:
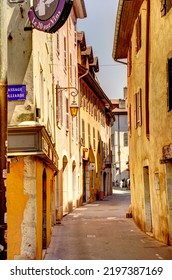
[(16, 92), (49, 15)]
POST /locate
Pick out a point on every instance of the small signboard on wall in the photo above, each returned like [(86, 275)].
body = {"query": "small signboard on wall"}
[(16, 92)]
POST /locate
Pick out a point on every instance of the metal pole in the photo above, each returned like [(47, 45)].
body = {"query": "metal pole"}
[(3, 126)]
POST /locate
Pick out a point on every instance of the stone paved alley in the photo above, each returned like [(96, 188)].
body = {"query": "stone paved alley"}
[(101, 231)]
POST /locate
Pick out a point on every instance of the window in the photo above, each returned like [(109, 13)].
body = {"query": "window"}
[(73, 126), (71, 76), (83, 132), (138, 108), (138, 33), (58, 44), (94, 139), (129, 119), (67, 113), (112, 140), (75, 38), (125, 139), (59, 106), (165, 7), (170, 84), (129, 67), (89, 136), (77, 129), (65, 54)]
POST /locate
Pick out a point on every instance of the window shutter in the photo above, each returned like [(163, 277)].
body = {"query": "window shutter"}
[(129, 67), (163, 8), (83, 132), (129, 119), (135, 111), (140, 106), (67, 114), (138, 33)]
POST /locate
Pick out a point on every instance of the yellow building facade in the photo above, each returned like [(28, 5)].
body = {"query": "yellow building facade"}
[(146, 43), (95, 128), (42, 186)]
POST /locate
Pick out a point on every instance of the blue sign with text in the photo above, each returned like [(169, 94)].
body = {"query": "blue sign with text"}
[(16, 92)]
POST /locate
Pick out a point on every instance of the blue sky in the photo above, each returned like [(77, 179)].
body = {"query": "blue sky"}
[(99, 27)]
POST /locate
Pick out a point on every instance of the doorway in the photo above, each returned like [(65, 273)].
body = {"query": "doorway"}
[(148, 212), (74, 183), (104, 183), (65, 186), (84, 182), (169, 198)]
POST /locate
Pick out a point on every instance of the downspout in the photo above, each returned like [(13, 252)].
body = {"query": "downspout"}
[(79, 116), (119, 150), (53, 88), (79, 86), (147, 68), (3, 126)]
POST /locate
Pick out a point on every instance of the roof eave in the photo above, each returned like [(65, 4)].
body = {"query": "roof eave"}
[(126, 15), (80, 9)]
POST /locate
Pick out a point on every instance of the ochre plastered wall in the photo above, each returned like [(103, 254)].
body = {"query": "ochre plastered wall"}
[(16, 203)]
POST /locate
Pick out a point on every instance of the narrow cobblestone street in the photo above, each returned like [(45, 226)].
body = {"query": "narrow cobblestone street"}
[(101, 231)]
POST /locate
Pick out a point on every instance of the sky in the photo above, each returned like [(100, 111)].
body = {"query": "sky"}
[(99, 28)]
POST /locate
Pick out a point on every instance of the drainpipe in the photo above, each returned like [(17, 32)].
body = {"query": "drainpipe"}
[(79, 80), (79, 116), (147, 68), (3, 125), (119, 152)]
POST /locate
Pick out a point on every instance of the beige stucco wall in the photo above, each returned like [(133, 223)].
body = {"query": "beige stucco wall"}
[(143, 151)]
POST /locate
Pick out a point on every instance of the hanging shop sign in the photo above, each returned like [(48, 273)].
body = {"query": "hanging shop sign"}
[(16, 92), (49, 15), (74, 97)]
